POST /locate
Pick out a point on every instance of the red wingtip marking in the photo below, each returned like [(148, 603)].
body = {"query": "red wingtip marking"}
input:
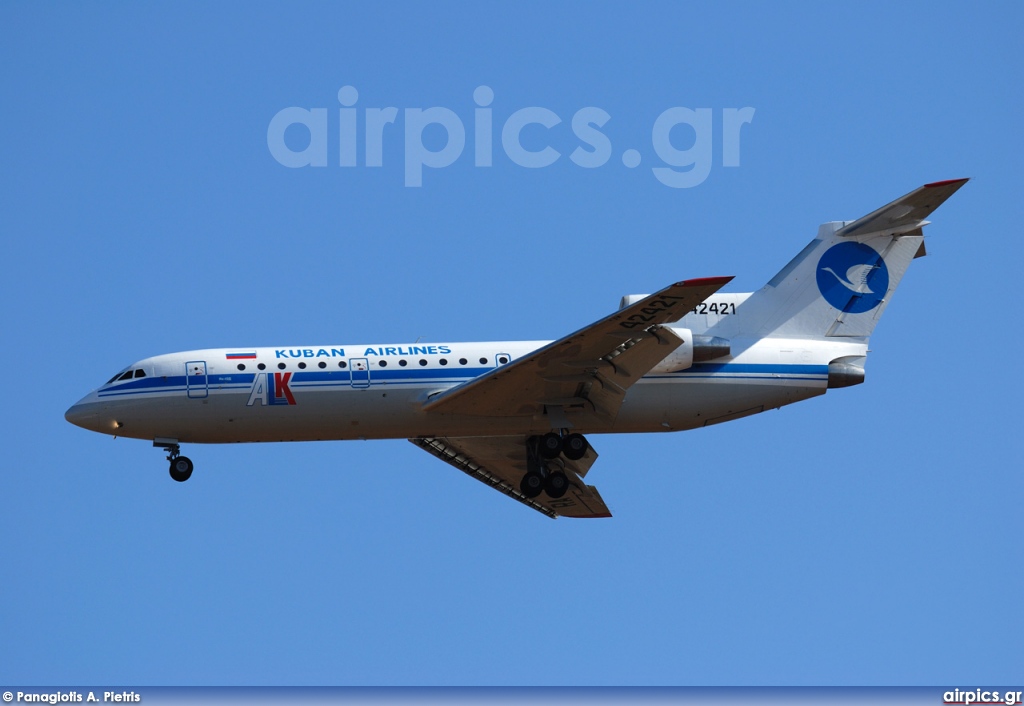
[(705, 282), (944, 183)]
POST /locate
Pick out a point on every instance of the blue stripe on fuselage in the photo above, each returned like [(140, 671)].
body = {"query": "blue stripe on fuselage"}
[(705, 368), (332, 378)]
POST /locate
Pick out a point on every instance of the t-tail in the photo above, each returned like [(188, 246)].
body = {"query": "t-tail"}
[(840, 284)]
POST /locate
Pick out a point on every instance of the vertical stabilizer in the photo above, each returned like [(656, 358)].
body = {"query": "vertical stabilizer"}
[(842, 281)]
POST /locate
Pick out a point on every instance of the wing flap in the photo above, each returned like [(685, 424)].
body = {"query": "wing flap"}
[(500, 463), (587, 372)]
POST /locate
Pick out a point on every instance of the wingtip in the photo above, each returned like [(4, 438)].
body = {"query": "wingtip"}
[(705, 282), (947, 182)]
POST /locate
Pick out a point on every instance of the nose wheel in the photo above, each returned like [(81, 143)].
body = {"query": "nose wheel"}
[(181, 466)]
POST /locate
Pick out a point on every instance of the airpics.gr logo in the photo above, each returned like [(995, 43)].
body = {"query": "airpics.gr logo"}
[(853, 277), (531, 137)]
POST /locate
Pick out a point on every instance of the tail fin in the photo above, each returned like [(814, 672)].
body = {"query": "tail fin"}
[(839, 285)]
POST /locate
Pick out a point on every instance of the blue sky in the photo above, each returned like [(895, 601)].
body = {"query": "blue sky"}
[(871, 536)]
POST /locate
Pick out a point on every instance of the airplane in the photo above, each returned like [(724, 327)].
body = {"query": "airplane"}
[(516, 414)]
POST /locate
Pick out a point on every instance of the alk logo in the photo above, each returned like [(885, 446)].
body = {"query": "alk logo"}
[(853, 277), (271, 389)]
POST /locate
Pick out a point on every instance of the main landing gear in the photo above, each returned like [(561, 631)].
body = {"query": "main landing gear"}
[(181, 466), (542, 474)]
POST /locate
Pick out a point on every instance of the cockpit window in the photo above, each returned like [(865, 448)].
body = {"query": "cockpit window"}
[(140, 373), (123, 375)]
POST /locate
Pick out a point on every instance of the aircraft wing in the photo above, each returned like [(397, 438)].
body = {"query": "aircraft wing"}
[(586, 374), (500, 462), (906, 213)]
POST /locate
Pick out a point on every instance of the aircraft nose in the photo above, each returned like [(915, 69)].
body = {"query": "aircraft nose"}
[(80, 415)]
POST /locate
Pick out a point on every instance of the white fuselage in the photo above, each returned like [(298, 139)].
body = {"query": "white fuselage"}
[(376, 392), (514, 415)]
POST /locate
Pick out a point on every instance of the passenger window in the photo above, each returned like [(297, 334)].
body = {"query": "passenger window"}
[(342, 364), (241, 366), (140, 373), (423, 361), (262, 366), (443, 361), (302, 366), (403, 362), (383, 364), (462, 361), (280, 366), (321, 365)]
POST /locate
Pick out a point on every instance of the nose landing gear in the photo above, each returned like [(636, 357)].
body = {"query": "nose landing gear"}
[(181, 466)]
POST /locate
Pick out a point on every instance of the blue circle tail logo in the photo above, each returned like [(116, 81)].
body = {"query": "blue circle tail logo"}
[(853, 277)]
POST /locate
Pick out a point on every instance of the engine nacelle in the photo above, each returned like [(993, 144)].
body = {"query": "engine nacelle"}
[(694, 349), (679, 359), (710, 347), (846, 371)]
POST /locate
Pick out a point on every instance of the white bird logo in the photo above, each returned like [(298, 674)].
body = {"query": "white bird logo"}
[(856, 278)]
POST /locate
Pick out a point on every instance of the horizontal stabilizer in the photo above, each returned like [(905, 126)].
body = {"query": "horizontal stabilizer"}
[(839, 285), (905, 214)]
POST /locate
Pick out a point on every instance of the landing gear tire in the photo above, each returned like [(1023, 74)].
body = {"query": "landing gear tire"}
[(575, 447), (532, 484), (181, 468), (550, 445), (556, 484)]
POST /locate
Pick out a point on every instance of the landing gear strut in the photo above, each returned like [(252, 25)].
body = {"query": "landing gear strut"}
[(532, 483), (181, 466), (542, 476)]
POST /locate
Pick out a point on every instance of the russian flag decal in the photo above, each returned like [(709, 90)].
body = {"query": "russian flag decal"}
[(241, 356)]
